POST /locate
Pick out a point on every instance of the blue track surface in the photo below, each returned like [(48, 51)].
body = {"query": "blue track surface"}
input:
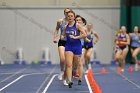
[(60, 88), (36, 78), (114, 82)]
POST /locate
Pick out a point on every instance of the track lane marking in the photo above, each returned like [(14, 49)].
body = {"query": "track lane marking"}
[(13, 75), (12, 82), (127, 79), (89, 87), (43, 83), (46, 88)]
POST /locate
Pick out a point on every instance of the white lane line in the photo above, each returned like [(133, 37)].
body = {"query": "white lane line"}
[(13, 75), (44, 82), (89, 87), (127, 79), (12, 82), (5, 73), (34, 74), (27, 73), (130, 81), (100, 73), (45, 90)]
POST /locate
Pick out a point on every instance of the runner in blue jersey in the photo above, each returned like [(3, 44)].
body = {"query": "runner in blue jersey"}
[(135, 46), (73, 32), (122, 40), (61, 44), (88, 45), (78, 66)]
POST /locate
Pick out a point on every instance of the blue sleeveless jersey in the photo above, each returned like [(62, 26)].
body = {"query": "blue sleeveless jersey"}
[(135, 41), (73, 45), (62, 25), (90, 37), (82, 41)]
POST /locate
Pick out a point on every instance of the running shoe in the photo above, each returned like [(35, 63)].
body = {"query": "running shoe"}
[(70, 84), (60, 76), (65, 83), (79, 82), (86, 71), (89, 66), (76, 75), (136, 67)]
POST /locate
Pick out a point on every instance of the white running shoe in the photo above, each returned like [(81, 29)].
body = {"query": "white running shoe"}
[(136, 67), (65, 83), (60, 76), (86, 71), (89, 66)]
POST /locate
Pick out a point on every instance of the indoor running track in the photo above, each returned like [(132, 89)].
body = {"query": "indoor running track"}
[(36, 79), (43, 79)]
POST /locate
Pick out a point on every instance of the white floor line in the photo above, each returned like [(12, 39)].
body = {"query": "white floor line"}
[(100, 73), (34, 74), (127, 79), (5, 73), (13, 75), (45, 90), (52, 71), (27, 73), (89, 87), (12, 82)]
